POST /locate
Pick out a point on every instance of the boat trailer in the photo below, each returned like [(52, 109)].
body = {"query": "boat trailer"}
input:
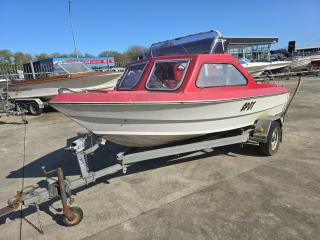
[(19, 107), (8, 107), (62, 187)]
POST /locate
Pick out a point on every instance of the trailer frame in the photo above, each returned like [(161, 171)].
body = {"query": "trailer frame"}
[(84, 146)]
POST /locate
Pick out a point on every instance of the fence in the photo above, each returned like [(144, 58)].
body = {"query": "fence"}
[(26, 71), (33, 70)]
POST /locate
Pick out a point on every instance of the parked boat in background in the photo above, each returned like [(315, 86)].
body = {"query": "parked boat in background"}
[(300, 64), (315, 61), (75, 76), (3, 82), (258, 68)]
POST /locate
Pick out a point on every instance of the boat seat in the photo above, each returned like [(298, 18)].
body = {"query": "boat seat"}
[(177, 72)]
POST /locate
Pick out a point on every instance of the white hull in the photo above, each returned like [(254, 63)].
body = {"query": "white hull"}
[(277, 65), (150, 124), (300, 64), (3, 83), (315, 58), (48, 89), (257, 68)]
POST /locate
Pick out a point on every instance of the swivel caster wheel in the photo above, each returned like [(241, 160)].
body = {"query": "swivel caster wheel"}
[(78, 217)]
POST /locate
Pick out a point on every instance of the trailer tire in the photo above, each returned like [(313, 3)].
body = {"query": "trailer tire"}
[(34, 109), (79, 215), (273, 140)]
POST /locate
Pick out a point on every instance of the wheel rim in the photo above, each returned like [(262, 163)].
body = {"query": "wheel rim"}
[(32, 109), (75, 220), (274, 140)]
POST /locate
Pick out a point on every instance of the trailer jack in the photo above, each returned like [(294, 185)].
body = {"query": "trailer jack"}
[(31, 195)]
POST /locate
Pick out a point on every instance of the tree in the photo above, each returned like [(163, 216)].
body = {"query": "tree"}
[(41, 56), (135, 51), (21, 58), (88, 55), (73, 55), (6, 57), (119, 58), (108, 53), (56, 55)]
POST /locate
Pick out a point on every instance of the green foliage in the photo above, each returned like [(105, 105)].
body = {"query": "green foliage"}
[(6, 57), (135, 51), (121, 59), (41, 56), (21, 58), (88, 55)]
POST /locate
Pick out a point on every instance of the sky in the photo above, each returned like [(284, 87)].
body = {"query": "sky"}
[(42, 26)]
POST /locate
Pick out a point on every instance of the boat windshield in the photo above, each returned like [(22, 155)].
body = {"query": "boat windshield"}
[(69, 68), (167, 75), (201, 43), (132, 76)]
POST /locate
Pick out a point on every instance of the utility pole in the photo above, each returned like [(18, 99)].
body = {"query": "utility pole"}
[(73, 35)]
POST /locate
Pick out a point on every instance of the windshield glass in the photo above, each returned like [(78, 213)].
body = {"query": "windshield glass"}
[(167, 75), (200, 43), (132, 76), (68, 68)]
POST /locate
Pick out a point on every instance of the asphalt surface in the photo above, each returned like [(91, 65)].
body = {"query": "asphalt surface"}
[(227, 193)]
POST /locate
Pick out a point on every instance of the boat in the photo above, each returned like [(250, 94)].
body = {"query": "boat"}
[(175, 94), (254, 68), (315, 61), (257, 68), (277, 65), (300, 64), (75, 76), (3, 82)]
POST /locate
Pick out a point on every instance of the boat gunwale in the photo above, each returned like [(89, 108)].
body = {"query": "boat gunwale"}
[(169, 102)]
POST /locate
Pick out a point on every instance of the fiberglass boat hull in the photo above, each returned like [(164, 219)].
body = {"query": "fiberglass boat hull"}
[(48, 89), (147, 124), (257, 68)]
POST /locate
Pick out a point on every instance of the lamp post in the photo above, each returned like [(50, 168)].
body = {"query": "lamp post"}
[(73, 35)]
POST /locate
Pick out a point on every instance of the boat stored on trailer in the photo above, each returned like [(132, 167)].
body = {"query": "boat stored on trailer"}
[(163, 106)]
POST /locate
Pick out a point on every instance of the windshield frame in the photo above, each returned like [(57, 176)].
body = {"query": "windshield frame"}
[(188, 60), (126, 71)]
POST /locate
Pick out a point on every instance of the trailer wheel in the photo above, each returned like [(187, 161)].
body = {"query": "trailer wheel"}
[(34, 109), (273, 140), (79, 215)]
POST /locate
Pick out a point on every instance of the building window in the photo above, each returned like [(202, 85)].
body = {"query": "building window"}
[(218, 75)]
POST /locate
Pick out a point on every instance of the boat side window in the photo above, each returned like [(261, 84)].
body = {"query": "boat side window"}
[(167, 75), (132, 76), (218, 75)]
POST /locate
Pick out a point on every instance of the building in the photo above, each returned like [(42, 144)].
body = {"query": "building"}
[(252, 48), (307, 51), (93, 62)]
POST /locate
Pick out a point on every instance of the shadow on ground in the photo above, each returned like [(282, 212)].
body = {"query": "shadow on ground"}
[(105, 156)]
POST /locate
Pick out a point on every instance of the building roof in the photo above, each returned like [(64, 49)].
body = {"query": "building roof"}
[(307, 48), (236, 41)]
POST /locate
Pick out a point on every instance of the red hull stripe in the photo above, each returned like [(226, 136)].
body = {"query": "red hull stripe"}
[(144, 96)]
